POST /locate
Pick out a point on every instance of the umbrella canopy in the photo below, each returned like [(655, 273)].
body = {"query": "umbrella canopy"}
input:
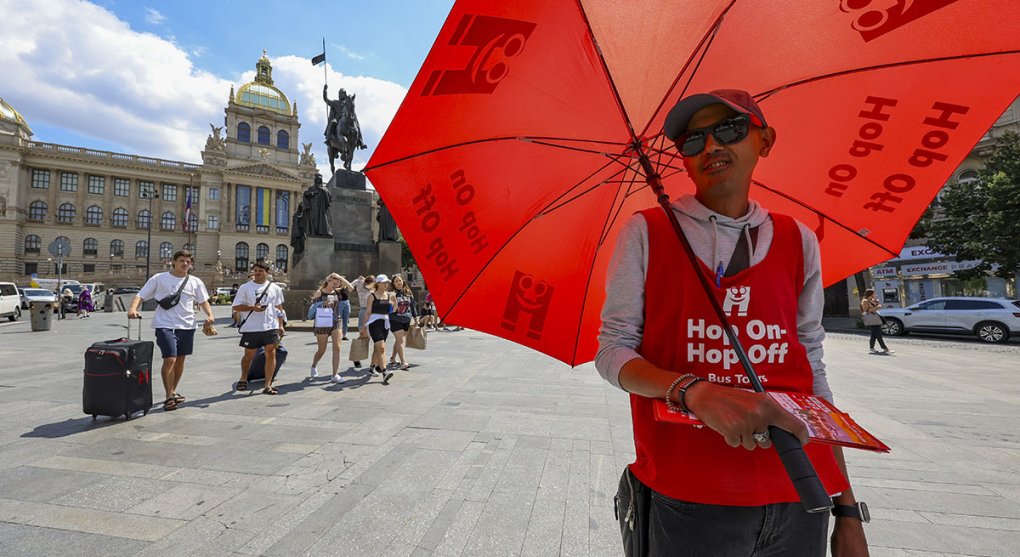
[(514, 158)]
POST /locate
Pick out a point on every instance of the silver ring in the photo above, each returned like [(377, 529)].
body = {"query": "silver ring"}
[(762, 437)]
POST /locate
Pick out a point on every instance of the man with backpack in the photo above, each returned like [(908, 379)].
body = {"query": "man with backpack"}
[(264, 324)]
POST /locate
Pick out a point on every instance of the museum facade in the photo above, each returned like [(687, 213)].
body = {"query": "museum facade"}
[(125, 215)]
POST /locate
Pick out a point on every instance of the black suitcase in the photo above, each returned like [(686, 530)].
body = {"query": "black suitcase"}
[(118, 377), (257, 369)]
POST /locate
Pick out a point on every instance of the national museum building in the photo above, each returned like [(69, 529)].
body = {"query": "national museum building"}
[(120, 212)]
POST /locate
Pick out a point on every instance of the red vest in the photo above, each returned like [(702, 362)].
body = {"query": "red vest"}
[(683, 334)]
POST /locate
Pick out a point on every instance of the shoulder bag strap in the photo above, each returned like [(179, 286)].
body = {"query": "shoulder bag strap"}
[(257, 300)]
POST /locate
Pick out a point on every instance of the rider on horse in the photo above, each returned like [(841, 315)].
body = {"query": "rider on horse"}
[(343, 132)]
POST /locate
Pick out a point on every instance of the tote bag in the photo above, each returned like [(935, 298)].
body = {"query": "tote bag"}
[(872, 319), (324, 317), (416, 337), (359, 349)]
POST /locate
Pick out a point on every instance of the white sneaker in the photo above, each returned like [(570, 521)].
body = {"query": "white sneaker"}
[(314, 373), (338, 379)]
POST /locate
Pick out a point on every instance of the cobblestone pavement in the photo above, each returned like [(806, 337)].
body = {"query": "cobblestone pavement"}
[(481, 448)]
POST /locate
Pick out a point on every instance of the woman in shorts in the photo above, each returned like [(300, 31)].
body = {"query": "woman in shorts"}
[(328, 295), (400, 319), (379, 303)]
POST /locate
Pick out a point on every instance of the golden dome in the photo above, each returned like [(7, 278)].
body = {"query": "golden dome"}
[(261, 93), (7, 112)]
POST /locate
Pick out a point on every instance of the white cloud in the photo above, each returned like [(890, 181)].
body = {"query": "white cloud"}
[(153, 16), (102, 79), (353, 55)]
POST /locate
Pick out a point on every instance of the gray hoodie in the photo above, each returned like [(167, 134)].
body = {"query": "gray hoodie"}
[(713, 237)]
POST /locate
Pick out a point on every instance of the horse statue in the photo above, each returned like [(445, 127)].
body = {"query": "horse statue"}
[(343, 132)]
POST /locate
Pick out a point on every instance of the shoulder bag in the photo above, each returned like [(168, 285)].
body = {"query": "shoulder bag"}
[(172, 300)]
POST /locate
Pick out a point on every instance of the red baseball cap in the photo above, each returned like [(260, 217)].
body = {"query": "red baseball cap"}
[(680, 115)]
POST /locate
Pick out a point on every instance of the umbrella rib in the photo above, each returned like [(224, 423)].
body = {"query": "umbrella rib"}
[(824, 215), (766, 94), (528, 139)]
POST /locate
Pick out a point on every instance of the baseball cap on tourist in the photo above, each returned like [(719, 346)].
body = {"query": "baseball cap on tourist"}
[(680, 115), (382, 278)]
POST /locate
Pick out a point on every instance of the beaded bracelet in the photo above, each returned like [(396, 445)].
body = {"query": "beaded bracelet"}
[(669, 392)]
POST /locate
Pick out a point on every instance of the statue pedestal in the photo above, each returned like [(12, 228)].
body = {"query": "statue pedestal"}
[(347, 179)]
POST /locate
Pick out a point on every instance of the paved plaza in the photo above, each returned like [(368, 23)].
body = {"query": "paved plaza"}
[(481, 448)]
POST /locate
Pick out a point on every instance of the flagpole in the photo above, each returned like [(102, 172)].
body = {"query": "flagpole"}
[(325, 74)]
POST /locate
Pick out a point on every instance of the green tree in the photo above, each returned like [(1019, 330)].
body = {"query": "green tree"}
[(406, 257), (981, 220)]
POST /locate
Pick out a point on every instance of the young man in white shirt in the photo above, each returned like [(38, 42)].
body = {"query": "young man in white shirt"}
[(262, 301), (175, 327)]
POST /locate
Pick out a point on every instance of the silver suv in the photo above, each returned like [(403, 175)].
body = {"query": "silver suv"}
[(991, 319)]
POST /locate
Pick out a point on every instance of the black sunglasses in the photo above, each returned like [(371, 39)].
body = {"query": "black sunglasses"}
[(730, 130)]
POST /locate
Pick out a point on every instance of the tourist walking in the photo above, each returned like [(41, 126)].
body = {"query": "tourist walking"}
[(177, 293), (874, 321), (84, 303), (328, 298), (363, 286), (380, 302), (401, 314), (263, 325)]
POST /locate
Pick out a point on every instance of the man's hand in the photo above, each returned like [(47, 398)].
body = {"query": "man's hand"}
[(738, 414), (848, 538), (210, 320), (257, 308), (133, 314)]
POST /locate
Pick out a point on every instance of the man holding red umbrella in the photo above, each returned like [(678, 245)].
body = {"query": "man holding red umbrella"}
[(720, 490)]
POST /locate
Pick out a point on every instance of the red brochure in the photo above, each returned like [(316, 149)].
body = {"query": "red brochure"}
[(825, 423)]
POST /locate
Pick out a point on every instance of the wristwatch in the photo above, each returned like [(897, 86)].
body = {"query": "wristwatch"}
[(858, 510)]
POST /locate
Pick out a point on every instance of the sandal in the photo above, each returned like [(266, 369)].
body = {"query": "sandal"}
[(405, 366), (178, 398), (270, 391), (169, 404), (241, 386)]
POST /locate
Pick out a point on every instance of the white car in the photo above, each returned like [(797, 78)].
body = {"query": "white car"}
[(29, 295), (991, 319)]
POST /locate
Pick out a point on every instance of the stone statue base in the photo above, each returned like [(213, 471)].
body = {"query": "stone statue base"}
[(347, 179)]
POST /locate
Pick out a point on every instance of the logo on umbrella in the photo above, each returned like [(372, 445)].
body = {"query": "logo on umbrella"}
[(496, 40), (531, 297), (874, 18)]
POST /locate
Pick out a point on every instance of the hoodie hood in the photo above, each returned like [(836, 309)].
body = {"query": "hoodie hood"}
[(690, 206)]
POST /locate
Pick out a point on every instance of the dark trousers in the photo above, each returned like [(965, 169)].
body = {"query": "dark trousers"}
[(655, 525), (876, 334)]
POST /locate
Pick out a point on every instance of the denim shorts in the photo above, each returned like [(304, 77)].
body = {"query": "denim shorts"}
[(175, 342)]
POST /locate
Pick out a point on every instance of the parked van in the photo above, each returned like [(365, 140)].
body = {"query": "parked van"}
[(10, 301), (51, 283)]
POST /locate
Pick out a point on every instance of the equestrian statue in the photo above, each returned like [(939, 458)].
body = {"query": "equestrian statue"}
[(343, 132)]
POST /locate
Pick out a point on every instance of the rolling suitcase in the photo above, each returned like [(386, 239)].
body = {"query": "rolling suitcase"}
[(118, 377), (257, 369)]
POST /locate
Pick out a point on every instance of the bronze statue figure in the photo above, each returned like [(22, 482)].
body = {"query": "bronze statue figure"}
[(315, 210), (387, 227), (343, 132), (297, 231)]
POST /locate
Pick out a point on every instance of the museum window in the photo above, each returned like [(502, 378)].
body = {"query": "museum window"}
[(281, 257), (40, 179), (141, 249), (65, 213), (144, 219), (121, 187), (68, 181), (261, 252), (117, 248), (169, 192), (32, 244), (31, 269), (88, 268), (37, 211), (192, 223), (263, 135), (168, 221), (90, 247), (146, 190), (97, 185), (166, 250), (244, 133), (214, 194), (283, 139), (120, 218), (94, 215), (192, 193), (241, 257), (212, 222)]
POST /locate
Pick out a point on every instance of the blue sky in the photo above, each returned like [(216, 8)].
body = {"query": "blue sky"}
[(147, 77)]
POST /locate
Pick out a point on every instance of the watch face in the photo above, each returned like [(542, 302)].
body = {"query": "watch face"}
[(865, 514)]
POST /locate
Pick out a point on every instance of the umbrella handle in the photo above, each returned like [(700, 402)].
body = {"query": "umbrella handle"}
[(812, 494)]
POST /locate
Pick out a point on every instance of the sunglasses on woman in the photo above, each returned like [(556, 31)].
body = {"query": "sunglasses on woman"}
[(730, 130)]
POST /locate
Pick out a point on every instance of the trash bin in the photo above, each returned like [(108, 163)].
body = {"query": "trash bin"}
[(42, 314), (108, 301)]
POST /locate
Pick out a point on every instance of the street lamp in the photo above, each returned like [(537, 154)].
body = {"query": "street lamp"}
[(150, 193)]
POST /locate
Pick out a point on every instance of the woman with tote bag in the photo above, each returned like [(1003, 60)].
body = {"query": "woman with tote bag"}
[(873, 320), (327, 319)]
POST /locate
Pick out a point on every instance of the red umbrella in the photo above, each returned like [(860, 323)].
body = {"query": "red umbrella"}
[(524, 142)]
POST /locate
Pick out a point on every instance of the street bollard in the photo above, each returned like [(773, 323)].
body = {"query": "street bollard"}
[(108, 301), (42, 315)]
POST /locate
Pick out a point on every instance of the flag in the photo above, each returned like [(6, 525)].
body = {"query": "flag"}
[(319, 59), (187, 211), (34, 284)]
